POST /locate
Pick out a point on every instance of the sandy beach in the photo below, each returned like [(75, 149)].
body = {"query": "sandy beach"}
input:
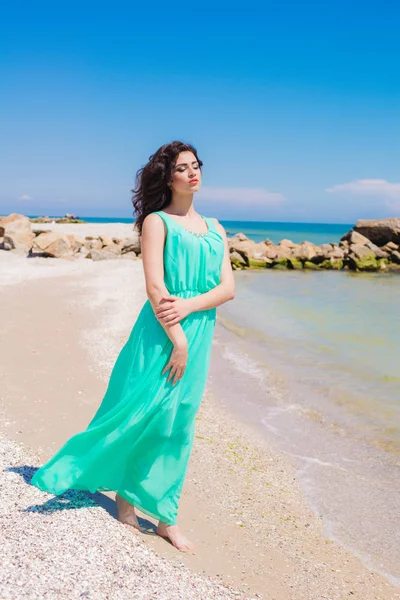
[(64, 323)]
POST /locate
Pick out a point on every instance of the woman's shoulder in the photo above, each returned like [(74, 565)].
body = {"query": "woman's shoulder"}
[(154, 221)]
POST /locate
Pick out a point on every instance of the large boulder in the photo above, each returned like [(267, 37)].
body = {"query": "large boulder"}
[(260, 250), (282, 252), (304, 251), (242, 244), (17, 233), (56, 245), (380, 231)]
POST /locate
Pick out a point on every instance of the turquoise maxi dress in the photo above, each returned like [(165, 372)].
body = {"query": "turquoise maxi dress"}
[(139, 441)]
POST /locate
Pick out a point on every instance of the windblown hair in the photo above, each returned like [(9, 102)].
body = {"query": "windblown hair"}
[(151, 192)]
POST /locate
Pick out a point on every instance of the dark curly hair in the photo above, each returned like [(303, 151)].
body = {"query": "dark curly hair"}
[(151, 192)]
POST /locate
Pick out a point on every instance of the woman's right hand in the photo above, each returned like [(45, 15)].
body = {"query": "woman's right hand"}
[(177, 361)]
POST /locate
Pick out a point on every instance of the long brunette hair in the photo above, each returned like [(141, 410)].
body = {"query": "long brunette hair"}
[(152, 192)]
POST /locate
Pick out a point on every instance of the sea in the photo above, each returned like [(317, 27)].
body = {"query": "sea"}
[(311, 360)]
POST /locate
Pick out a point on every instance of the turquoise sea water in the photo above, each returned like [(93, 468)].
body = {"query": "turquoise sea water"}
[(314, 363), (336, 332)]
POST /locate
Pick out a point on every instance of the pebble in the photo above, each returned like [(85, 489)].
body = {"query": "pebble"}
[(66, 547)]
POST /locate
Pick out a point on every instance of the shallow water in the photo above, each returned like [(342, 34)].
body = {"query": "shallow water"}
[(314, 365)]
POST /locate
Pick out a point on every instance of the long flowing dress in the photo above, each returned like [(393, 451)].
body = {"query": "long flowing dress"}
[(139, 441)]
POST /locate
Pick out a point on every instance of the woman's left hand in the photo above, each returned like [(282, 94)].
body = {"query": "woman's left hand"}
[(172, 309)]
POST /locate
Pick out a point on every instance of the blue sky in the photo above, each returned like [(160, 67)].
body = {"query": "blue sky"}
[(294, 109)]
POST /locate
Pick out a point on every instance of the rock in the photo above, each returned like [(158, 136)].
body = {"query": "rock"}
[(361, 258), (380, 231), (10, 218), (268, 242), (325, 250), (259, 263), (93, 243), (76, 242), (131, 244), (361, 251), (239, 258), (287, 243), (353, 237), (382, 264), (17, 234), (395, 256), (57, 245), (271, 252), (107, 253), (390, 246), (310, 265), (239, 237), (337, 253), (105, 240), (304, 251), (336, 263), (282, 253), (379, 252), (260, 250), (84, 252), (244, 247), (294, 263)]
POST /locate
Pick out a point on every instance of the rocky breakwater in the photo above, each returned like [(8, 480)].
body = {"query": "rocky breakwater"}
[(16, 235), (371, 245)]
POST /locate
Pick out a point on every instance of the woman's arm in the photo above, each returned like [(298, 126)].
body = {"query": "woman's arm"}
[(222, 292), (152, 248)]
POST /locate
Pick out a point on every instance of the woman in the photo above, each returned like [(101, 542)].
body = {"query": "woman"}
[(139, 441)]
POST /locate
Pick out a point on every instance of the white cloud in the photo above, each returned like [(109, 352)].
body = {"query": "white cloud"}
[(369, 187), (25, 197), (258, 196)]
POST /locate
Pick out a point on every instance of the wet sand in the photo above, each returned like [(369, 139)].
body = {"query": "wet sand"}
[(64, 323)]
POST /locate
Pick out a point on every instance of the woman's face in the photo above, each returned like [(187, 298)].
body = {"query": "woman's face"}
[(186, 177)]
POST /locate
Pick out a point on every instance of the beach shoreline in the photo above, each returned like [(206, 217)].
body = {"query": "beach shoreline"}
[(241, 503)]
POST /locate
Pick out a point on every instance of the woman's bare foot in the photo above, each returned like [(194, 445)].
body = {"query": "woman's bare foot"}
[(126, 513), (173, 533)]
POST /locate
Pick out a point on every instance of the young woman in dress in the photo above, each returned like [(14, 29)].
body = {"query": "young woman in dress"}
[(139, 441)]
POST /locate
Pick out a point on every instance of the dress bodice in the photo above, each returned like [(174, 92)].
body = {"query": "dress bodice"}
[(192, 263)]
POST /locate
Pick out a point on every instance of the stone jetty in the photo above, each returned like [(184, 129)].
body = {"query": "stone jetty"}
[(371, 245)]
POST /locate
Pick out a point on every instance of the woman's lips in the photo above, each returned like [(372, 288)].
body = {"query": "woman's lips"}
[(194, 181)]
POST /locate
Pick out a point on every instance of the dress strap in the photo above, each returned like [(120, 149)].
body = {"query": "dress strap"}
[(211, 223), (165, 218)]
